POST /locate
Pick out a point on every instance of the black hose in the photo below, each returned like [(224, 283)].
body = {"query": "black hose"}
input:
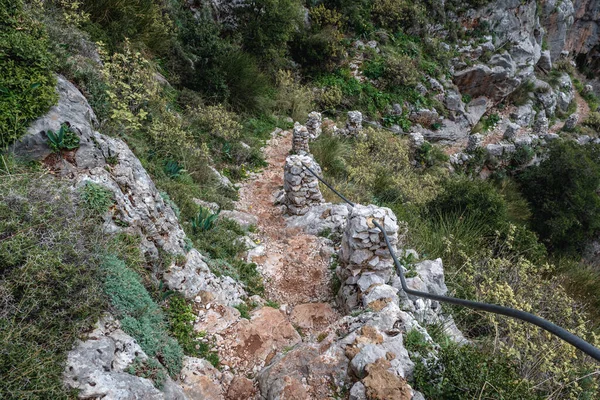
[(556, 330)]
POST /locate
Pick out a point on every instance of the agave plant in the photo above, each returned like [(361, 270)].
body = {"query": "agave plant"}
[(204, 221), (173, 169), (64, 139)]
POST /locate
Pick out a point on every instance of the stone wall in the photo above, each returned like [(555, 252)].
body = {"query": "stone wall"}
[(300, 186)]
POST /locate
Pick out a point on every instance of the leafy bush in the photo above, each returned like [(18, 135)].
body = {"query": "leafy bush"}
[(64, 139), (467, 372), (97, 198), (131, 86), (399, 14), (593, 121), (562, 192), (140, 316), (248, 88), (217, 121), (26, 79), (381, 164), (50, 290), (400, 70)]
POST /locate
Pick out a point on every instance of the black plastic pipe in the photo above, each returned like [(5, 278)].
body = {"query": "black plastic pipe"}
[(556, 330)]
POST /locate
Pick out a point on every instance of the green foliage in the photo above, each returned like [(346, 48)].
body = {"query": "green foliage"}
[(477, 200), (181, 321), (330, 152), (593, 121), (97, 198), (429, 155), (173, 169), (204, 221), (267, 26), (399, 14), (142, 21), (320, 47), (249, 89), (149, 369), (64, 139), (467, 372), (293, 98), (140, 316), (244, 310), (49, 285), (26, 79), (415, 342), (562, 192)]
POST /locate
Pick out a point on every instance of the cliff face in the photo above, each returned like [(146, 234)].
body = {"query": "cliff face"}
[(573, 26)]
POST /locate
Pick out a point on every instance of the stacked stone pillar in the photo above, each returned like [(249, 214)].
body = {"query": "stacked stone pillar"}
[(300, 186), (354, 123), (313, 124), (366, 265), (300, 140)]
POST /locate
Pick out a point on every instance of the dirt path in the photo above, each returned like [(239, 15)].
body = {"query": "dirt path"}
[(295, 272), (583, 110)]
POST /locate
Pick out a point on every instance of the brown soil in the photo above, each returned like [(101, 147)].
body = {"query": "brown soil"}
[(295, 272)]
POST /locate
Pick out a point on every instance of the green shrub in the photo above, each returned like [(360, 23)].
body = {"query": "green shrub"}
[(319, 48), (50, 290), (97, 198), (468, 372), (26, 79), (64, 139), (181, 321), (478, 200), (149, 369), (399, 14), (593, 121), (429, 155), (140, 316), (400, 70), (248, 88), (267, 26), (562, 192), (142, 21)]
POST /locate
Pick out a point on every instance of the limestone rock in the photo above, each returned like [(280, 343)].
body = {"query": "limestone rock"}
[(571, 122), (245, 220), (312, 316), (200, 380), (96, 367), (306, 372), (320, 218)]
